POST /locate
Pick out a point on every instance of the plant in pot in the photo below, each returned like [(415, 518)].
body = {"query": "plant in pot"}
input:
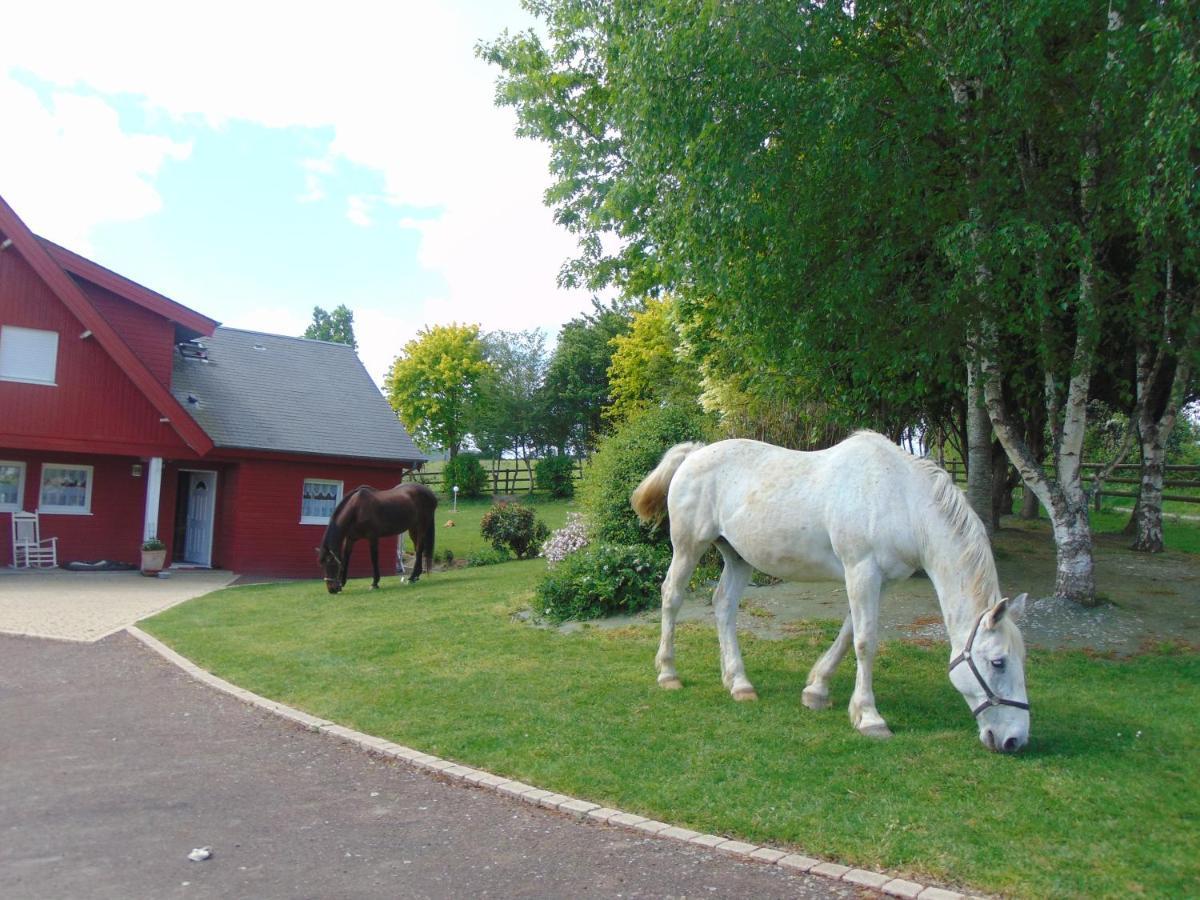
[(154, 556)]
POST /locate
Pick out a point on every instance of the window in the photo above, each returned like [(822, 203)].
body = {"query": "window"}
[(66, 489), (12, 485), (318, 501), (27, 354)]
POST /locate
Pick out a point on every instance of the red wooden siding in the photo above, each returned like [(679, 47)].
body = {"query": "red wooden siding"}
[(149, 336), (94, 405), (263, 526), (113, 531)]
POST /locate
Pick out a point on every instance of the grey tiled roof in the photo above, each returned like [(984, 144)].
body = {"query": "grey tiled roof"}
[(270, 392)]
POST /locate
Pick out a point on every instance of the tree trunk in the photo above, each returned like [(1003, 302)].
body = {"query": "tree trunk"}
[(1029, 503), (1075, 577), (1002, 487), (979, 449), (1147, 515)]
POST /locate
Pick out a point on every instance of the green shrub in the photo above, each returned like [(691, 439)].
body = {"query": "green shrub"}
[(488, 557), (602, 580), (468, 473), (556, 474), (622, 460), (514, 528)]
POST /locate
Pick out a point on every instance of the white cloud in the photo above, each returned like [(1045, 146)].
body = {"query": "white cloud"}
[(357, 211), (397, 85), (74, 167)]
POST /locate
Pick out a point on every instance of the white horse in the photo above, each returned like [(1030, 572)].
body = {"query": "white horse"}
[(864, 511)]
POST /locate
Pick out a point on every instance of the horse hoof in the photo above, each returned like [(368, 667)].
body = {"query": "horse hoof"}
[(374, 587), (670, 684), (878, 732), (813, 700), (744, 695)]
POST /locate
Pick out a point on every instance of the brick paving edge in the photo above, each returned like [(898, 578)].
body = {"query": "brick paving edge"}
[(578, 809)]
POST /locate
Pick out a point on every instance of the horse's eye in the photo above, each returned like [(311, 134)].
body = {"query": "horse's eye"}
[(998, 663)]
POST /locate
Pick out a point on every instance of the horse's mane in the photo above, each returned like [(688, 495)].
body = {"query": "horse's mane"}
[(976, 558), (333, 531)]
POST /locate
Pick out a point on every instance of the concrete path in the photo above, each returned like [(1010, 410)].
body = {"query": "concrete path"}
[(116, 765), (87, 606)]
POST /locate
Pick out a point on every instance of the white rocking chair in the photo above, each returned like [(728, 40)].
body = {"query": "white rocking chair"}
[(29, 550)]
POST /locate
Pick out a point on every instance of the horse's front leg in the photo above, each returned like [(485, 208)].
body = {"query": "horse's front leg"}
[(863, 583), (816, 690), (347, 547), (373, 543), (734, 578), (683, 563)]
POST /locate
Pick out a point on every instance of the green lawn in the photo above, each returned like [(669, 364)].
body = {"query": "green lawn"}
[(462, 537), (1105, 801)]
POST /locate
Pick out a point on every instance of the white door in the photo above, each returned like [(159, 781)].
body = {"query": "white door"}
[(202, 502)]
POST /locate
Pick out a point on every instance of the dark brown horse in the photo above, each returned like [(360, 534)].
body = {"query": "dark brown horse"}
[(368, 514)]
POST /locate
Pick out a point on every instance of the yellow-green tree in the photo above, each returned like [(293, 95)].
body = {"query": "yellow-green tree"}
[(650, 366), (434, 384)]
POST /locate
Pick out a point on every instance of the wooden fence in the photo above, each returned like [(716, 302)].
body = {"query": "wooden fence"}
[(1174, 478), (504, 481)]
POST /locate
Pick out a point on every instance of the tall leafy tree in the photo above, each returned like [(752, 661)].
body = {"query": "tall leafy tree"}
[(508, 417), (336, 326), (576, 389), (888, 202), (435, 383), (650, 364)]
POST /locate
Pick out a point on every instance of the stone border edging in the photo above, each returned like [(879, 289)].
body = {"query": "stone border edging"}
[(580, 809)]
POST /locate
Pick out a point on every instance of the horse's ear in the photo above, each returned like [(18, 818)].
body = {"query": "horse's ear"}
[(1013, 608)]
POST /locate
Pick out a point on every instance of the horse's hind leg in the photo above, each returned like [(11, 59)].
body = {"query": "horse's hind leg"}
[(816, 691), (683, 563), (374, 544), (734, 578), (863, 584), (418, 551)]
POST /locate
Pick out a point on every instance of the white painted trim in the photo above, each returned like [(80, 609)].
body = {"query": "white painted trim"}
[(153, 498)]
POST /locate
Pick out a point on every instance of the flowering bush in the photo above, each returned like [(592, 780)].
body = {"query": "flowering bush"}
[(515, 528), (571, 537), (602, 580)]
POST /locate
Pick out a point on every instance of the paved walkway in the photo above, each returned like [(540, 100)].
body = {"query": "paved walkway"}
[(116, 765), (87, 606)]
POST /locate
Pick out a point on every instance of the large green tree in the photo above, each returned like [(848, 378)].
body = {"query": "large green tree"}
[(576, 389), (892, 203), (650, 366), (434, 384), (508, 418), (336, 326)]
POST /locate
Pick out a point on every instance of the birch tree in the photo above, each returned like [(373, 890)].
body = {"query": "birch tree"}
[(803, 181)]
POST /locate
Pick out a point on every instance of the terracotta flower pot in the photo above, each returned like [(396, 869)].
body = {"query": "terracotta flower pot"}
[(153, 561)]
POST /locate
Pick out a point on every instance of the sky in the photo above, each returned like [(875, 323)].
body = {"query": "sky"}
[(253, 160)]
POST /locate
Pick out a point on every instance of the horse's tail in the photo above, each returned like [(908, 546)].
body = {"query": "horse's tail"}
[(649, 499), (430, 533)]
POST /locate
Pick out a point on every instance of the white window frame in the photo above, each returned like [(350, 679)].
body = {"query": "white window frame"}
[(14, 332), (86, 509), (319, 520), (15, 507)]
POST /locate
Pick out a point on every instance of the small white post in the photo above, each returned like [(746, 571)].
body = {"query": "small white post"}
[(455, 498), (153, 490)]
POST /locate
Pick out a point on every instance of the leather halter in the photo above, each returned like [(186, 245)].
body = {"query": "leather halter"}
[(992, 699), (337, 581)]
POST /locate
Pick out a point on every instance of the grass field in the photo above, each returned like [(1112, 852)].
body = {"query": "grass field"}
[(458, 531), (1104, 802)]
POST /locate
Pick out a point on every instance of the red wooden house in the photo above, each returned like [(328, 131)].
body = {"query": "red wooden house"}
[(125, 415)]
